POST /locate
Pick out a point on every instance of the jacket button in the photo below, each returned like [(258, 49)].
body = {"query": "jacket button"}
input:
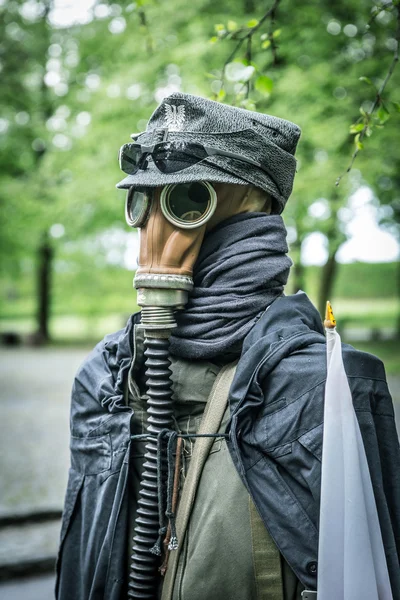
[(312, 567)]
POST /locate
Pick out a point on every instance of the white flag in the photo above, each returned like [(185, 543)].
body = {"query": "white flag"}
[(351, 556)]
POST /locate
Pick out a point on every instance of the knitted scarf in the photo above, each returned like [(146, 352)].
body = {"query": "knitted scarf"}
[(241, 269)]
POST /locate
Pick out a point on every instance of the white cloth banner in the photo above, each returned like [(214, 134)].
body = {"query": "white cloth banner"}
[(351, 556)]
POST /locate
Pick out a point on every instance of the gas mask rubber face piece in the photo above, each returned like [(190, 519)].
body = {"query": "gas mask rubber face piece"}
[(172, 222)]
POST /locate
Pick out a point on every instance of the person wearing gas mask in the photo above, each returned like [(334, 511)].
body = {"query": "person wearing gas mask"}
[(196, 432)]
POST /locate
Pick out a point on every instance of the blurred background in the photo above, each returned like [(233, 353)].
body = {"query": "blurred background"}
[(77, 77)]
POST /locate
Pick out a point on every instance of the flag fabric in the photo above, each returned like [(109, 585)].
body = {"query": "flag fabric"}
[(351, 556)]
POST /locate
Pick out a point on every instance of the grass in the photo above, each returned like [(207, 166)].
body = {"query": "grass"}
[(379, 313), (376, 313), (70, 329)]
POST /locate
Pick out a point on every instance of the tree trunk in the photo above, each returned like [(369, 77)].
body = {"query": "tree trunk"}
[(398, 293), (298, 277), (329, 271), (45, 259)]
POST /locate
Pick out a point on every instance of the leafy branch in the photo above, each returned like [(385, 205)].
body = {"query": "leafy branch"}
[(244, 36), (379, 113), (144, 25)]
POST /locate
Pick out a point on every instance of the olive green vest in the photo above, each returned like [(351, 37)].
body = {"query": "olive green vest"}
[(227, 553)]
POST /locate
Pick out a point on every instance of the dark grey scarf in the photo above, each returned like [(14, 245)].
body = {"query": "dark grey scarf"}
[(242, 267)]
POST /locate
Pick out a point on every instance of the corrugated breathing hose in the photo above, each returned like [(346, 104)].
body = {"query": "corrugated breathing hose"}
[(143, 577)]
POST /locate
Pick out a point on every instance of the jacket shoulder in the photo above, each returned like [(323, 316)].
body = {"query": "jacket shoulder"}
[(304, 371), (98, 361), (108, 353), (362, 364), (100, 379)]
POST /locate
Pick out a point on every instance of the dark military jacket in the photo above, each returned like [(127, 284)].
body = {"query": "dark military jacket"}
[(275, 440)]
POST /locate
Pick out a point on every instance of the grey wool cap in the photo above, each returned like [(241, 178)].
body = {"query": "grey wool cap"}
[(267, 140)]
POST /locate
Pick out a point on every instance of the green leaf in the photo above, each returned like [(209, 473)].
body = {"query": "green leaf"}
[(221, 95), (276, 33), (214, 39), (264, 85), (252, 23), (396, 106), (356, 127), (266, 44), (232, 26), (359, 145), (383, 114), (366, 80)]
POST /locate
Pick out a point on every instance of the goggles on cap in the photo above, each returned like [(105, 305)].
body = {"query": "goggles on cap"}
[(185, 205), (169, 157)]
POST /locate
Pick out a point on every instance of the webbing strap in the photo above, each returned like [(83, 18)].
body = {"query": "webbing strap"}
[(210, 423), (266, 559)]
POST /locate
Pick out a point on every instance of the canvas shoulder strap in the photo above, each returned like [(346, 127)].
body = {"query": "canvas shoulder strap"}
[(210, 423)]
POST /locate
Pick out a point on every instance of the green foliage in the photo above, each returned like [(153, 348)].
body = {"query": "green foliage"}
[(264, 85), (71, 96), (358, 281)]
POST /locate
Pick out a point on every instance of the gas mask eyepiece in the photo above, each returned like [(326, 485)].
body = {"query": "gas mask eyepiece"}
[(137, 206), (188, 205), (184, 205)]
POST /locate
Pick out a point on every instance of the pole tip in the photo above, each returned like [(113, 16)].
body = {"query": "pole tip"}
[(330, 321)]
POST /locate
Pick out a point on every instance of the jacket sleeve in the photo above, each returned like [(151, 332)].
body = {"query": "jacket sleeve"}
[(383, 454), (95, 510), (375, 413)]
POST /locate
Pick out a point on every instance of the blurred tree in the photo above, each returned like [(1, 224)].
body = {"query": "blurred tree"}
[(330, 69), (70, 94), (27, 105)]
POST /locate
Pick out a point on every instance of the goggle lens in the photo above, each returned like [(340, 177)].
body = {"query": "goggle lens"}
[(178, 159), (166, 158), (129, 157)]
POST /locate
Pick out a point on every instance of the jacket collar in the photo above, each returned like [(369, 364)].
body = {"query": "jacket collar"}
[(285, 313), (288, 323)]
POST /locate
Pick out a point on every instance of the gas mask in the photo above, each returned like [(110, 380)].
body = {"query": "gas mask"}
[(173, 221)]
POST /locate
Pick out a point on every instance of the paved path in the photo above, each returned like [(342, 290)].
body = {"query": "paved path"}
[(38, 588), (35, 387)]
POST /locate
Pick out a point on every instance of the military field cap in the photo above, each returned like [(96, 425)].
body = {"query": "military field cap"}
[(264, 139)]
